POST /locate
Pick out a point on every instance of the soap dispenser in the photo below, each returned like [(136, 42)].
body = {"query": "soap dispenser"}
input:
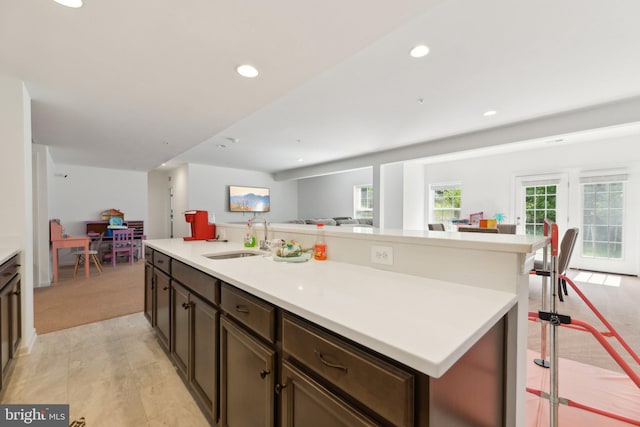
[(249, 238)]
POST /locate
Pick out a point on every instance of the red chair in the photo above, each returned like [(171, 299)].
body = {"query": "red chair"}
[(122, 243)]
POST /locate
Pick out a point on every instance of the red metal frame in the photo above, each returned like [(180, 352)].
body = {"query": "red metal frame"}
[(601, 338), (583, 326), (611, 331), (590, 409), (586, 327)]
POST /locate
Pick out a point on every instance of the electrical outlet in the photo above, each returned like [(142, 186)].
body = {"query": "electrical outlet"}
[(382, 255)]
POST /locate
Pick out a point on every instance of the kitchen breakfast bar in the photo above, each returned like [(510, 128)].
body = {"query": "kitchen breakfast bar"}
[(435, 336)]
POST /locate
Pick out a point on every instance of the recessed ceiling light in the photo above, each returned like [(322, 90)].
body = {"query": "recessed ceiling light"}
[(419, 51), (490, 113), (247, 70), (164, 164), (70, 3), (301, 159)]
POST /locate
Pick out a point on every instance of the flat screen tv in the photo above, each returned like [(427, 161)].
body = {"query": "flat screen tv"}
[(249, 199)]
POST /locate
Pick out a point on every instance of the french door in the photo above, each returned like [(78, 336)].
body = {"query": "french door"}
[(539, 197), (605, 242)]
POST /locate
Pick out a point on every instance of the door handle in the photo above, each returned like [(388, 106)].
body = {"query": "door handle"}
[(264, 373)]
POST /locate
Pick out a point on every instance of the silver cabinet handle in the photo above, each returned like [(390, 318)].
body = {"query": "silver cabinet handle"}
[(321, 358)]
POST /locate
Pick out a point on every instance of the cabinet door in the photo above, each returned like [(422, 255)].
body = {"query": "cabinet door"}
[(180, 326), (247, 379), (16, 316), (149, 294), (162, 315), (305, 403), (204, 376), (5, 328)]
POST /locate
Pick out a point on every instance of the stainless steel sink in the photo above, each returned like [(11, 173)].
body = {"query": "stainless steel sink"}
[(229, 255)]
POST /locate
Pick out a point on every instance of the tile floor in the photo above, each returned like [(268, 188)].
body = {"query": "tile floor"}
[(112, 373)]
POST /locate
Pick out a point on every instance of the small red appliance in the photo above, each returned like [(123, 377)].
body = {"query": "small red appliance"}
[(200, 227)]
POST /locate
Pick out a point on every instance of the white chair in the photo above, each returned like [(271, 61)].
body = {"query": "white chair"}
[(94, 248)]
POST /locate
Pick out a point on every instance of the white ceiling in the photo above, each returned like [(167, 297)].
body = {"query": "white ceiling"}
[(132, 84)]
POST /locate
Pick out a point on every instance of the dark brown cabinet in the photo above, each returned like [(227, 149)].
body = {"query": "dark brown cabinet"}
[(247, 371), (157, 295), (249, 363), (10, 315), (5, 328), (306, 403), (149, 294), (180, 318), (378, 385), (194, 344), (204, 377), (16, 315), (162, 308)]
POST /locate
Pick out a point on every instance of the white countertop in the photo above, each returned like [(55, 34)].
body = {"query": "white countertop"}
[(7, 253), (424, 323)]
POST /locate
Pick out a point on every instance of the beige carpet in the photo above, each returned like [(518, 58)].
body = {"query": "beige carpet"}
[(77, 301)]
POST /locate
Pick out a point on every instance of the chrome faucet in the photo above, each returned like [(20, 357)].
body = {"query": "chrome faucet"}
[(264, 244)]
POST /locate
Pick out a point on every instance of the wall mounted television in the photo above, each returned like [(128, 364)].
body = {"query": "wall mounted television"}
[(249, 199)]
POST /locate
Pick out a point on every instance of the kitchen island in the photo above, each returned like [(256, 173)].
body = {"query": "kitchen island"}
[(428, 328)]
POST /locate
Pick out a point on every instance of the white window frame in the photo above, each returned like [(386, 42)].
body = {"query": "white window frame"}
[(360, 211), (433, 188)]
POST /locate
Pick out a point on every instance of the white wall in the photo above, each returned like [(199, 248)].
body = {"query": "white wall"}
[(16, 218), (87, 191), (179, 179), (413, 200), (331, 195), (159, 183), (488, 182), (209, 186), (42, 175), (392, 195)]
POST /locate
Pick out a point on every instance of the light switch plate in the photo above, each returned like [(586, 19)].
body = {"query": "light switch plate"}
[(382, 255)]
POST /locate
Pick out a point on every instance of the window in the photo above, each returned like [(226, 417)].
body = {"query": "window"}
[(445, 202), (602, 213), (540, 203), (363, 201)]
